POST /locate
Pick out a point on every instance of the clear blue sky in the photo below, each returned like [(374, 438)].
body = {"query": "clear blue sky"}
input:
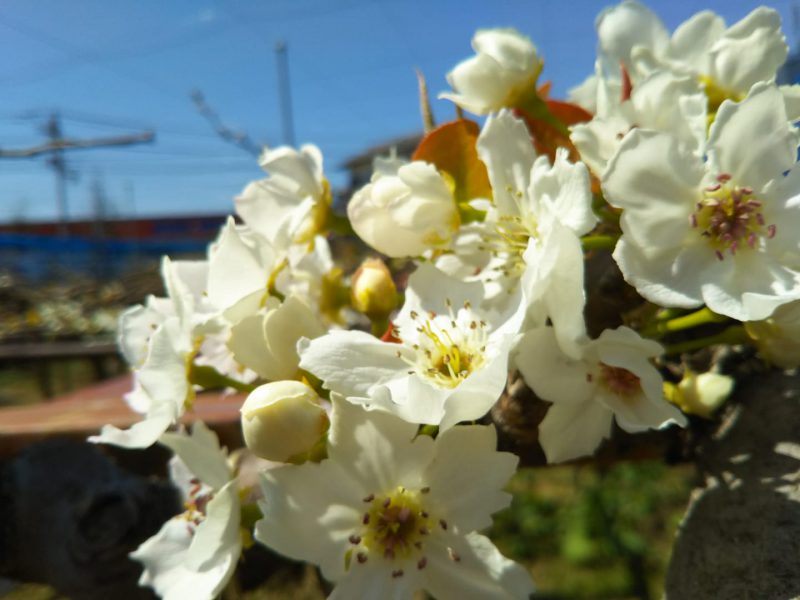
[(113, 67)]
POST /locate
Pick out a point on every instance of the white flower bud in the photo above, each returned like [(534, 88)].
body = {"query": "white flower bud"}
[(504, 69), (282, 419), (406, 213)]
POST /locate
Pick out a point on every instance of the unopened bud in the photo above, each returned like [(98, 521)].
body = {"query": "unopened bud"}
[(372, 289), (700, 394), (283, 419)]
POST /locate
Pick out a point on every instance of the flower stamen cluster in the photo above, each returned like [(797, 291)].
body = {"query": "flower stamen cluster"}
[(729, 217), (394, 527), (449, 348), (196, 503), (619, 381)]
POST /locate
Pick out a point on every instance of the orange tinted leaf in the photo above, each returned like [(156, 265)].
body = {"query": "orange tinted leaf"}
[(451, 148), (568, 113)]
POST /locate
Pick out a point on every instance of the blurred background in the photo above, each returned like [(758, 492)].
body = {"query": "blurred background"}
[(126, 129)]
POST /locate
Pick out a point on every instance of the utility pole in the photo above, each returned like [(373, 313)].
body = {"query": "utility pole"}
[(285, 94), (55, 147), (59, 165)]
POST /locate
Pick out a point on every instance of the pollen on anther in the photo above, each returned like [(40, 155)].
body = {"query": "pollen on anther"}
[(365, 520), (398, 573), (422, 563), (425, 490), (443, 524), (369, 498), (354, 539), (361, 557), (771, 230)]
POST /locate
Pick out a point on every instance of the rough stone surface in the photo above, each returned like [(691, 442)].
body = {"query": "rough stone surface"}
[(740, 537)]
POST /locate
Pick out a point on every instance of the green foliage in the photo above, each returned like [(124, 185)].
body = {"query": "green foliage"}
[(591, 532)]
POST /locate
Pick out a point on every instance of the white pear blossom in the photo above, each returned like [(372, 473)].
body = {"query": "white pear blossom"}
[(531, 234), (195, 553), (162, 341), (662, 101), (391, 512), (504, 70), (721, 231), (613, 379), (727, 61), (451, 362), (291, 205), (405, 212)]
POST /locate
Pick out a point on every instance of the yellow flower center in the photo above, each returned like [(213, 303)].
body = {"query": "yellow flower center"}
[(716, 95), (448, 349)]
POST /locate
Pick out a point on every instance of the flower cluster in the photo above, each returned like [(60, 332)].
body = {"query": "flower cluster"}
[(673, 167)]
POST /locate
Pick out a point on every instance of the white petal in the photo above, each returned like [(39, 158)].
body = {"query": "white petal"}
[(481, 573), (163, 557), (625, 26), (656, 180), (140, 435), (201, 454), (452, 487), (235, 269), (671, 278), (371, 581), (351, 362), (548, 371), (692, 40), (752, 50), (382, 450), (571, 430), (309, 512), (566, 189), (750, 286), (753, 140), (218, 536), (505, 147)]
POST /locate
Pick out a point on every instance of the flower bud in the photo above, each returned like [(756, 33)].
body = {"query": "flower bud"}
[(778, 337), (283, 419), (372, 289), (700, 394), (503, 71), (405, 213)]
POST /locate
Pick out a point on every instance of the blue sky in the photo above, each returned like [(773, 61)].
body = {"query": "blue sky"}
[(113, 67)]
